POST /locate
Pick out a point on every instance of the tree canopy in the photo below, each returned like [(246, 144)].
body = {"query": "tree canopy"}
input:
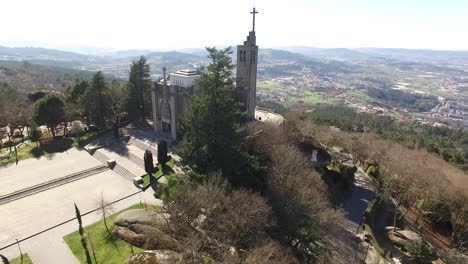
[(139, 86), (212, 138), (49, 111)]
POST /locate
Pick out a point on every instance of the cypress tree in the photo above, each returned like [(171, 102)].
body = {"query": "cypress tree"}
[(148, 160), (82, 235), (162, 152)]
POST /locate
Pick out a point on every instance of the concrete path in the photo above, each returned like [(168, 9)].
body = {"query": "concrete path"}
[(123, 161), (31, 172), (35, 213), (345, 242)]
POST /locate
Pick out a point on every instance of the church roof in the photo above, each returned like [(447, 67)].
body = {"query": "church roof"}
[(186, 72)]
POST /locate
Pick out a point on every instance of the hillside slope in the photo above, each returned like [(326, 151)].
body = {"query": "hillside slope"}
[(28, 77)]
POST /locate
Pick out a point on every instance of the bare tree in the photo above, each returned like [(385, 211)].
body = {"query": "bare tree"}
[(271, 252), (105, 209), (211, 219), (241, 219), (296, 192), (457, 202)]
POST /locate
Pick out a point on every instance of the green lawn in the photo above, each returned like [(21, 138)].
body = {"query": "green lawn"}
[(17, 260), (24, 152), (170, 163), (32, 150), (270, 85), (312, 98), (159, 172), (114, 251), (362, 96)]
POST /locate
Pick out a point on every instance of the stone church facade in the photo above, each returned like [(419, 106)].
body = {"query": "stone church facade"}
[(171, 99)]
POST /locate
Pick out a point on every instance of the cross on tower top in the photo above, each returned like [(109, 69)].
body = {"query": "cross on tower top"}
[(253, 13)]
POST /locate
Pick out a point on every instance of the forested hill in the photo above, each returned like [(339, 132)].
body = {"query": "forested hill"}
[(450, 143), (25, 76)]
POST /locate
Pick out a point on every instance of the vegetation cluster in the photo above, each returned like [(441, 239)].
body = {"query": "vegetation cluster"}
[(451, 144)]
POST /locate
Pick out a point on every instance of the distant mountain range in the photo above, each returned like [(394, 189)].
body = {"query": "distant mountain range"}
[(287, 61)]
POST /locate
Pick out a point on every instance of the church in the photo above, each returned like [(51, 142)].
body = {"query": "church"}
[(171, 96)]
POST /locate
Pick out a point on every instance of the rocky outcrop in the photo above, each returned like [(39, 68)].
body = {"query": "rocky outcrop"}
[(155, 257), (144, 229), (141, 216)]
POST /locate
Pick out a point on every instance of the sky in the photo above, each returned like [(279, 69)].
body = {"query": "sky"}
[(176, 24)]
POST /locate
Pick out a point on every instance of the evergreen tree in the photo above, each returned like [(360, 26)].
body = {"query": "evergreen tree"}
[(162, 152), (76, 91), (118, 97), (148, 160), (212, 138), (34, 133), (94, 101), (82, 235), (4, 259), (98, 85), (49, 111), (80, 96), (139, 86)]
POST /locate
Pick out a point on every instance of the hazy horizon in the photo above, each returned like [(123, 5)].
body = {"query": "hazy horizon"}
[(97, 27)]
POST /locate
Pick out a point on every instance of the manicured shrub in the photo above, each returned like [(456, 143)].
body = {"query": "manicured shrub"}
[(162, 152)]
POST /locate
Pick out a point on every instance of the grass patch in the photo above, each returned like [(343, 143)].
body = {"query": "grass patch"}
[(17, 260), (360, 95), (107, 250), (85, 139), (374, 242), (24, 152), (167, 170), (54, 146), (170, 163), (333, 167), (32, 150), (312, 98)]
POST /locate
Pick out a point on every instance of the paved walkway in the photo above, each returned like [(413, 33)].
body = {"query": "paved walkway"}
[(31, 172), (32, 214), (35, 213)]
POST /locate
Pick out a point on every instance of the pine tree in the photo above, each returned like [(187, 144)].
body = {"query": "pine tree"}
[(139, 86), (99, 86), (82, 235), (212, 138)]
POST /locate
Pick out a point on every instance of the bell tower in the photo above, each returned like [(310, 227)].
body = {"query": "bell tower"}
[(246, 79)]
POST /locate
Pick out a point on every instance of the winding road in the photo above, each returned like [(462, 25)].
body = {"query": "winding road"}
[(345, 242)]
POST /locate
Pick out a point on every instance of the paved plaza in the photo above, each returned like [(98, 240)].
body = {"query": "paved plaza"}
[(35, 213), (31, 172), (29, 215)]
